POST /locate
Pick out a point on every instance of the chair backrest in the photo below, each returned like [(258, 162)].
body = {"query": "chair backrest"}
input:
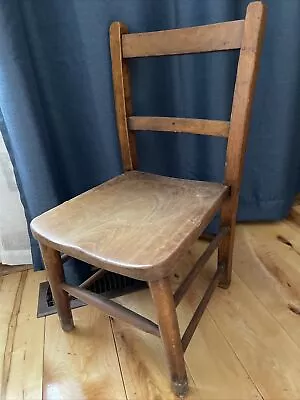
[(245, 35)]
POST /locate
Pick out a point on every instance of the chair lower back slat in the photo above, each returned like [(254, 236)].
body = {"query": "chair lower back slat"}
[(185, 125)]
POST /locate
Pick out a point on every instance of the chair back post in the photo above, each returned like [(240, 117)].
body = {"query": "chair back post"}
[(240, 118), (122, 96)]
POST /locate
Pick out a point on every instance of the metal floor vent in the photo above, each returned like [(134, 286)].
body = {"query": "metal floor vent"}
[(110, 285)]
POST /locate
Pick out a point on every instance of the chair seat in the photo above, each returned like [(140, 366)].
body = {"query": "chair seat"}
[(137, 224)]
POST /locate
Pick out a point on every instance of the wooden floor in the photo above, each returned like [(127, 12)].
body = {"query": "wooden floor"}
[(247, 345)]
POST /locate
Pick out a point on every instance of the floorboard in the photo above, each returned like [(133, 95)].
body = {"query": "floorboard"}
[(26, 355), (9, 294), (82, 364), (266, 351), (270, 267)]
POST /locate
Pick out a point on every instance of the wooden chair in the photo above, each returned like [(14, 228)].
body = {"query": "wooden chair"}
[(138, 224)]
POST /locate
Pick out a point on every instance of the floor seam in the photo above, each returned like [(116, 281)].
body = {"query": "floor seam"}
[(12, 327), (44, 346), (118, 357), (234, 352)]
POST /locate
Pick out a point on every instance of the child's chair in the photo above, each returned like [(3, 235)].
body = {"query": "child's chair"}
[(138, 224)]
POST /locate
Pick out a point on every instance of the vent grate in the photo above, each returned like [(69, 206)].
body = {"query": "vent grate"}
[(110, 285)]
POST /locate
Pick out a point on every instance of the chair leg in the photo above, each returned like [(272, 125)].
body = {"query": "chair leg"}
[(225, 257), (54, 266), (168, 325)]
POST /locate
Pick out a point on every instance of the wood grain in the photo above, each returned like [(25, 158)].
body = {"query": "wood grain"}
[(10, 290), (239, 126), (261, 344), (182, 125), (122, 96), (136, 224), (221, 36), (12, 269), (82, 364), (269, 354), (268, 263), (27, 352)]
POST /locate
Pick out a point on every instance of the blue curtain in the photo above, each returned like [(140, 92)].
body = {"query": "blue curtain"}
[(57, 107)]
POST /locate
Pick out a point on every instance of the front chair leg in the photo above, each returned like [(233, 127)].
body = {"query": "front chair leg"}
[(168, 325), (54, 266)]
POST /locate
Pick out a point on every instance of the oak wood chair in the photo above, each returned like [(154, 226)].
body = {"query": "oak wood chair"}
[(139, 224)]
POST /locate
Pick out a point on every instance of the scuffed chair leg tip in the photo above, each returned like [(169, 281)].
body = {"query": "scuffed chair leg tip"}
[(180, 388), (225, 277), (67, 327), (224, 284)]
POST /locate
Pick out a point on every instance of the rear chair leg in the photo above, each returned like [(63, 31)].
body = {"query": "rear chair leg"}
[(225, 257), (54, 266), (168, 325)]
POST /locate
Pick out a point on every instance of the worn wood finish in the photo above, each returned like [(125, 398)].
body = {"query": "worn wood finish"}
[(189, 279), (221, 36), (113, 309), (136, 224), (123, 104), (168, 325), (182, 125), (54, 266), (239, 126)]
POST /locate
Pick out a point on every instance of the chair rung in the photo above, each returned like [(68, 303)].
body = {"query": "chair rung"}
[(202, 260), (181, 125), (88, 282), (188, 334), (113, 309)]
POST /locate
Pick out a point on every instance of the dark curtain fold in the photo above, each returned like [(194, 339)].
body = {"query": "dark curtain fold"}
[(57, 110)]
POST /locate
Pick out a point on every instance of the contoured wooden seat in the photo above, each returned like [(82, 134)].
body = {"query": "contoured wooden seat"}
[(136, 224)]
